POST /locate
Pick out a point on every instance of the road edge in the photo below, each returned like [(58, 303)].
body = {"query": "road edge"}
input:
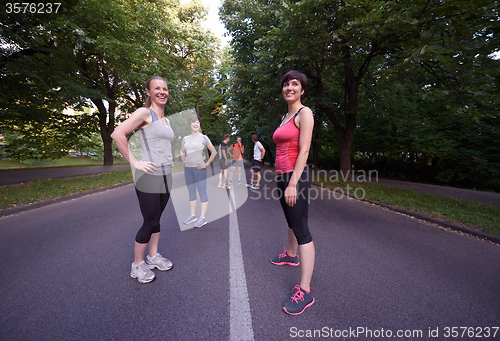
[(19, 209), (446, 224), (420, 216)]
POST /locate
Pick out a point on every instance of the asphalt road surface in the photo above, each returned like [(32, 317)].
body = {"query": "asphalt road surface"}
[(379, 275)]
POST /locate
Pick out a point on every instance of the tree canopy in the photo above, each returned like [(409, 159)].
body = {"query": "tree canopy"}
[(360, 56), (99, 52), (406, 87)]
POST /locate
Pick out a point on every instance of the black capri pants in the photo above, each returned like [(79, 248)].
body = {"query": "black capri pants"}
[(153, 192), (297, 216)]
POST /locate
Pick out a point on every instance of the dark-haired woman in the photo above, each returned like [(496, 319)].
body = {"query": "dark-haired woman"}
[(153, 174), (293, 140)]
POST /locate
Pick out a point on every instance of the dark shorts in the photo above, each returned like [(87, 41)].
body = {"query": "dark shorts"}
[(256, 164), (153, 193), (222, 164), (297, 216)]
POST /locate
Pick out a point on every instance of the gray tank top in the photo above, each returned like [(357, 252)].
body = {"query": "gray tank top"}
[(156, 145)]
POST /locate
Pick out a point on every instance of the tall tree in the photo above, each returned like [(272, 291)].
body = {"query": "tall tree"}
[(100, 51), (337, 44)]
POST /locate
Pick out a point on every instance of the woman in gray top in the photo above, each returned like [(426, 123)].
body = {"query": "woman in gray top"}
[(153, 174), (195, 168)]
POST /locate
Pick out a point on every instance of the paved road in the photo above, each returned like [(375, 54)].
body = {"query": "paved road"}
[(65, 274)]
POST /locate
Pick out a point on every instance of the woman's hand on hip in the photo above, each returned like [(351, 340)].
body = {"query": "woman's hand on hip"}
[(145, 166)]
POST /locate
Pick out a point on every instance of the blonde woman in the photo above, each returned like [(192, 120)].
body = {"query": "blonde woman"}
[(153, 174)]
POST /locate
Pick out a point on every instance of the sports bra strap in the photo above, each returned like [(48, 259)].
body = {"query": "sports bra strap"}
[(153, 115), (298, 111)]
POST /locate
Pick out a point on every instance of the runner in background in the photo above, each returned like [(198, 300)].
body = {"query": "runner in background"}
[(258, 155), (223, 162), (195, 169), (237, 150)]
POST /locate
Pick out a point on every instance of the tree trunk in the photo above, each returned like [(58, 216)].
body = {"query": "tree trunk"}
[(345, 157), (106, 127), (108, 150), (344, 136)]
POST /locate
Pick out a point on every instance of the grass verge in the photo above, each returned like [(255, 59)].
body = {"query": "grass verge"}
[(66, 161), (468, 213), (44, 189)]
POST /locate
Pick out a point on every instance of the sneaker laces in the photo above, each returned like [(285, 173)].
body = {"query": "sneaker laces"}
[(284, 254), (158, 258), (298, 295), (142, 268)]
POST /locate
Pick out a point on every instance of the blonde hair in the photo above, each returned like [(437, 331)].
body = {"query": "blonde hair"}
[(147, 102)]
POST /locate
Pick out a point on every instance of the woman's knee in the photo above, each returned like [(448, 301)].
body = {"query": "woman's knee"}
[(144, 234)]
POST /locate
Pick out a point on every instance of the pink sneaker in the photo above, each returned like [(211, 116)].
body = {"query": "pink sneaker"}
[(299, 301), (285, 259)]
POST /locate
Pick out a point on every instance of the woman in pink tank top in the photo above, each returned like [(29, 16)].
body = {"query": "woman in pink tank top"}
[(293, 140)]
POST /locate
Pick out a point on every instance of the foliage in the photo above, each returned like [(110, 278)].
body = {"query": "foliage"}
[(353, 53), (99, 52), (50, 138)]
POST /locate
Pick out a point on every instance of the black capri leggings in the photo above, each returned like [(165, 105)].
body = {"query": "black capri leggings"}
[(297, 216), (153, 192)]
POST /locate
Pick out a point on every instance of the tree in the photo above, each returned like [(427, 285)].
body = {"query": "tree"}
[(100, 51), (338, 43)]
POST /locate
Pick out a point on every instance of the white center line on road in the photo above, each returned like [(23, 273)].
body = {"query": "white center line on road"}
[(239, 313)]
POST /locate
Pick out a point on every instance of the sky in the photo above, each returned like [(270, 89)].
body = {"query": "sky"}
[(213, 22)]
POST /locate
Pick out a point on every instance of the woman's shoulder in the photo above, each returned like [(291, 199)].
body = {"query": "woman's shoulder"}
[(206, 139), (142, 111), (305, 112), (140, 117)]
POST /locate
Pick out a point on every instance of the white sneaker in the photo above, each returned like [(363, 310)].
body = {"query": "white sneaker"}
[(159, 262), (190, 219), (142, 273), (201, 222)]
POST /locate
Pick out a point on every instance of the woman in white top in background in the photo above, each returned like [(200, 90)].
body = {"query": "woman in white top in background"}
[(195, 169)]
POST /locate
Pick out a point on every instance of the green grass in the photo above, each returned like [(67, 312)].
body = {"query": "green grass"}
[(44, 189), (468, 213), (67, 161)]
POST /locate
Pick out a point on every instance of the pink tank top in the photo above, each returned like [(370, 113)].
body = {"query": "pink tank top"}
[(287, 138)]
